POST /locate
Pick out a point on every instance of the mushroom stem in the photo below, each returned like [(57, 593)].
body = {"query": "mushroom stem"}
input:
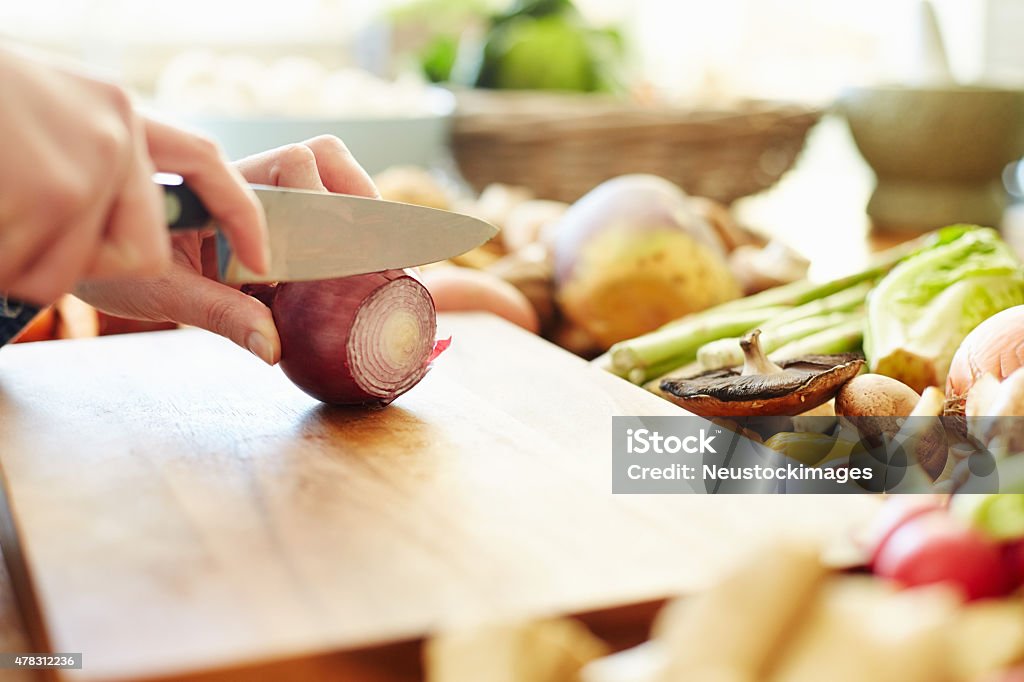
[(754, 359)]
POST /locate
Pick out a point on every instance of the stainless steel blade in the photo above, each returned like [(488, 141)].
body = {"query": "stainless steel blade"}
[(318, 236)]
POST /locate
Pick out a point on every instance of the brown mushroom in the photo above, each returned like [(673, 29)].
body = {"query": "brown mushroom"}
[(761, 387)]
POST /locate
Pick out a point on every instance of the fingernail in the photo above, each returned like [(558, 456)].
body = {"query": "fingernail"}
[(259, 346)]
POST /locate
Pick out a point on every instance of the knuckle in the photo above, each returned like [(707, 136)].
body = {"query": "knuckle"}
[(111, 141), (68, 196), (119, 100), (219, 314), (206, 147), (292, 163), (333, 142), (296, 155)]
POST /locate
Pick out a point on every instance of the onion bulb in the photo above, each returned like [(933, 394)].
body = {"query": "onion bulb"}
[(995, 346), (362, 340)]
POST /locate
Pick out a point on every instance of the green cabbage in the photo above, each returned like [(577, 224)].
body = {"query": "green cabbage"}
[(921, 311)]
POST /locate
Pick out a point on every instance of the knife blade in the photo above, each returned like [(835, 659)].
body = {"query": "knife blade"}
[(317, 235)]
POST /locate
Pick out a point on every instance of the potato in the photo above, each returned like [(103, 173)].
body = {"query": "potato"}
[(463, 289)]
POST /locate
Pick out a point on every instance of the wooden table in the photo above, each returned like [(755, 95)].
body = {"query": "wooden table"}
[(14, 635), (181, 509)]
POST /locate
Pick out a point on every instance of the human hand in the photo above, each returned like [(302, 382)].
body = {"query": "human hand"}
[(188, 294), (77, 200)]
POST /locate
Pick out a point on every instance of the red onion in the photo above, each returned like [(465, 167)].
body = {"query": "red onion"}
[(362, 340)]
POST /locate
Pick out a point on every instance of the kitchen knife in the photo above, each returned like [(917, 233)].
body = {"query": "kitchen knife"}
[(317, 235), (312, 235)]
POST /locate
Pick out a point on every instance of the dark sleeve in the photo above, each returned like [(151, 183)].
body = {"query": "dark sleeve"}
[(14, 316)]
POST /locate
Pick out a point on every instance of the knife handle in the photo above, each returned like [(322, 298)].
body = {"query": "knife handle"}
[(185, 210)]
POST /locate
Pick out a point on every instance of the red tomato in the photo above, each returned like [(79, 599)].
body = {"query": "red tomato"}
[(894, 513), (1013, 554), (936, 548)]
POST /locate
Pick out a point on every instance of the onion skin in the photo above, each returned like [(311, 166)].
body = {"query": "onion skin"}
[(316, 322), (995, 346), (264, 293)]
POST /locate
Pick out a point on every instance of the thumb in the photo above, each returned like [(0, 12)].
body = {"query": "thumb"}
[(210, 305), (186, 297)]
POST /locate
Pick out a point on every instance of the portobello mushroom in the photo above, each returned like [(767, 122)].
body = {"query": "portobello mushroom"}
[(762, 387)]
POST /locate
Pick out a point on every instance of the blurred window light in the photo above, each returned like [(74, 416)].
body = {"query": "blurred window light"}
[(807, 49), (802, 49), (154, 21)]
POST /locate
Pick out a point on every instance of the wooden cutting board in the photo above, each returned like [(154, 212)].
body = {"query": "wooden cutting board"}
[(176, 506)]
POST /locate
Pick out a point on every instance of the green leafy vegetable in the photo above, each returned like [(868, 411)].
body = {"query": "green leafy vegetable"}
[(539, 45), (921, 311)]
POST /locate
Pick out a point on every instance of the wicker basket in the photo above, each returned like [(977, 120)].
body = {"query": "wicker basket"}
[(562, 145)]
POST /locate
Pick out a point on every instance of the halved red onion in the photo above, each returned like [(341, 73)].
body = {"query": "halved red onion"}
[(354, 340)]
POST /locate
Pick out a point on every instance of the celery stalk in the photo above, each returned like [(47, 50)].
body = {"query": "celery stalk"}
[(727, 352), (676, 343), (641, 375), (679, 342), (842, 338), (804, 291), (839, 302)]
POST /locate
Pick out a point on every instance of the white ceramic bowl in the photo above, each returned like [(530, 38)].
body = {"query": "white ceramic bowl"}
[(938, 153), (377, 143)]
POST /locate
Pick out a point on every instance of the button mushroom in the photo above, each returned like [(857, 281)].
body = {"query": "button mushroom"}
[(761, 387)]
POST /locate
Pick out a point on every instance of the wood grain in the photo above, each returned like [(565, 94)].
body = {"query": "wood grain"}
[(14, 635), (182, 508)]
